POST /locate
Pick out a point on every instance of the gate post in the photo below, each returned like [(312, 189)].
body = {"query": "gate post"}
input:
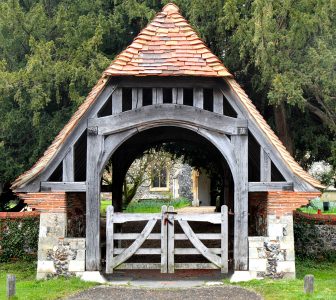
[(109, 239), (171, 239), (224, 239), (240, 252), (164, 240), (95, 146)]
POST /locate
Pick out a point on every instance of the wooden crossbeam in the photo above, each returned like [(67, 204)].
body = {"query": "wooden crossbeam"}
[(271, 186)]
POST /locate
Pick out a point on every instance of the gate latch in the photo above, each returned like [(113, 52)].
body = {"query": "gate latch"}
[(166, 219)]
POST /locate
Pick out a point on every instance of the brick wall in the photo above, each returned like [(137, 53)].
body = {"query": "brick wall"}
[(52, 202)]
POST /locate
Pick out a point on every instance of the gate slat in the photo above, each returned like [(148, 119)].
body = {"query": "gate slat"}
[(214, 218), (141, 251), (133, 236), (193, 251), (201, 266), (201, 236)]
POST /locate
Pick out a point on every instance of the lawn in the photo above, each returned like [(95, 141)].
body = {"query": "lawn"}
[(29, 288), (325, 283), (147, 205)]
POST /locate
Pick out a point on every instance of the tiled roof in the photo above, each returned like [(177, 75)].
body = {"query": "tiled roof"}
[(168, 46)]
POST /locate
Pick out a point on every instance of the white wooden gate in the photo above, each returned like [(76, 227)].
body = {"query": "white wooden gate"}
[(116, 257)]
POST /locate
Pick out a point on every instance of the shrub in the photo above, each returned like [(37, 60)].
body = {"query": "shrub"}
[(18, 239)]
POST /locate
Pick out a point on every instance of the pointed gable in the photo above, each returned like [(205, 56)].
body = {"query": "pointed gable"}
[(168, 46)]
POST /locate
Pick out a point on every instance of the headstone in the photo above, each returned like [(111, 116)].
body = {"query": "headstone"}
[(309, 284), (11, 280)]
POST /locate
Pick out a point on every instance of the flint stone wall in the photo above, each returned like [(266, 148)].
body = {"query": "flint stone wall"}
[(57, 254), (273, 256)]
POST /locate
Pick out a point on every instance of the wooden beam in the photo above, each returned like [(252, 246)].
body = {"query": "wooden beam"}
[(63, 186), (218, 98), (198, 98), (177, 94), (117, 101), (167, 114), (240, 143), (265, 166), (35, 184), (95, 146), (136, 98), (69, 166), (270, 186), (157, 96)]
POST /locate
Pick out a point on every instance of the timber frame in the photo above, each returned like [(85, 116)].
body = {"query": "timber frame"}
[(200, 98)]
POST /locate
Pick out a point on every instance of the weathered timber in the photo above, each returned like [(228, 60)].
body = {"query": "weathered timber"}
[(130, 217), (198, 98), (200, 266), (95, 145), (218, 102), (138, 266), (141, 251), (270, 186), (133, 236), (157, 96), (193, 251), (109, 239), (136, 98), (264, 142), (177, 94), (199, 245), (224, 250), (52, 186), (240, 143), (69, 166), (164, 240), (265, 166), (117, 101), (34, 185), (201, 236), (164, 115), (117, 260), (171, 244), (214, 218)]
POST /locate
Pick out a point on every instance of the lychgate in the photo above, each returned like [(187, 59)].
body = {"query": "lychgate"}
[(166, 86)]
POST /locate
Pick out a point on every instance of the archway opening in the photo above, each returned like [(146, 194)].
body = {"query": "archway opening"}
[(194, 150)]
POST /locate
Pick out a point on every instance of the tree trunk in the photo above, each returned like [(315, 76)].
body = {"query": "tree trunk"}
[(282, 127)]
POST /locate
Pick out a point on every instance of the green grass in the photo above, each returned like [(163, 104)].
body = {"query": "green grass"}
[(29, 288), (154, 205), (311, 210), (147, 205), (325, 283)]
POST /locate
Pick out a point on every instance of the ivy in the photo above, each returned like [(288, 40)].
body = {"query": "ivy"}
[(18, 239)]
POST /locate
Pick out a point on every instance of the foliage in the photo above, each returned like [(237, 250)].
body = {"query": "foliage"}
[(18, 239), (154, 205), (142, 169), (28, 288), (284, 289)]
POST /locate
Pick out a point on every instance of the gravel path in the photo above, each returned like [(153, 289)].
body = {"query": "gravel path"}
[(129, 293)]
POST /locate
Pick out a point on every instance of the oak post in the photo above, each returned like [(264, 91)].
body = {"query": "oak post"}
[(240, 143), (95, 146)]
